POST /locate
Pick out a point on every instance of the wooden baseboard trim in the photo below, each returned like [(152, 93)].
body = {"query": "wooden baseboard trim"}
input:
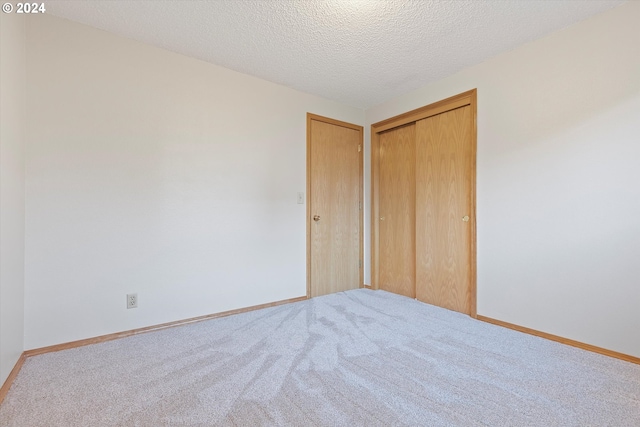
[(12, 376), (562, 340), (124, 334)]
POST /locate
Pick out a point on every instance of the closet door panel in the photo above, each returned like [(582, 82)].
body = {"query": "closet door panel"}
[(443, 209), (397, 211)]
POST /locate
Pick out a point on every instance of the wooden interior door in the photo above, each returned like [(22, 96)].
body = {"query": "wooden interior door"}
[(335, 201), (397, 210), (444, 209), (423, 203)]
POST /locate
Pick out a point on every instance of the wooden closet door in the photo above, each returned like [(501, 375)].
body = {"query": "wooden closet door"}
[(444, 210), (397, 211)]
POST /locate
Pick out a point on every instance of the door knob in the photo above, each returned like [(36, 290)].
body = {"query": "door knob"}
[(465, 218), (381, 218), (316, 218)]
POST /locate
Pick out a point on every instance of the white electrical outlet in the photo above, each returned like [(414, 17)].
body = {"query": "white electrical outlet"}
[(301, 198), (132, 300)]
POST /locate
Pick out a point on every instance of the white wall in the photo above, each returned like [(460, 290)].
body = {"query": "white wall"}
[(155, 173), (12, 181), (558, 179)]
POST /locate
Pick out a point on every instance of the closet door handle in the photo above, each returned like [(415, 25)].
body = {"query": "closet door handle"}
[(465, 218)]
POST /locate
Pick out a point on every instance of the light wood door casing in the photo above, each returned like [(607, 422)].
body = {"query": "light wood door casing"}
[(397, 210), (335, 198), (443, 209)]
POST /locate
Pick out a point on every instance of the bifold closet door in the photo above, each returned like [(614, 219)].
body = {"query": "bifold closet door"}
[(397, 210), (444, 209)]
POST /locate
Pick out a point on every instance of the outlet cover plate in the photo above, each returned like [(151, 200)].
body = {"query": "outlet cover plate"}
[(132, 300)]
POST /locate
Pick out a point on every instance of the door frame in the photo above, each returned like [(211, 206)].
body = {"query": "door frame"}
[(360, 129), (463, 99)]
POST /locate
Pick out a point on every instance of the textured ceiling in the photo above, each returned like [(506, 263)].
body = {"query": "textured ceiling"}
[(357, 52)]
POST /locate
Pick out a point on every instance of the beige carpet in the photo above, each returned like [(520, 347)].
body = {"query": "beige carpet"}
[(349, 359)]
